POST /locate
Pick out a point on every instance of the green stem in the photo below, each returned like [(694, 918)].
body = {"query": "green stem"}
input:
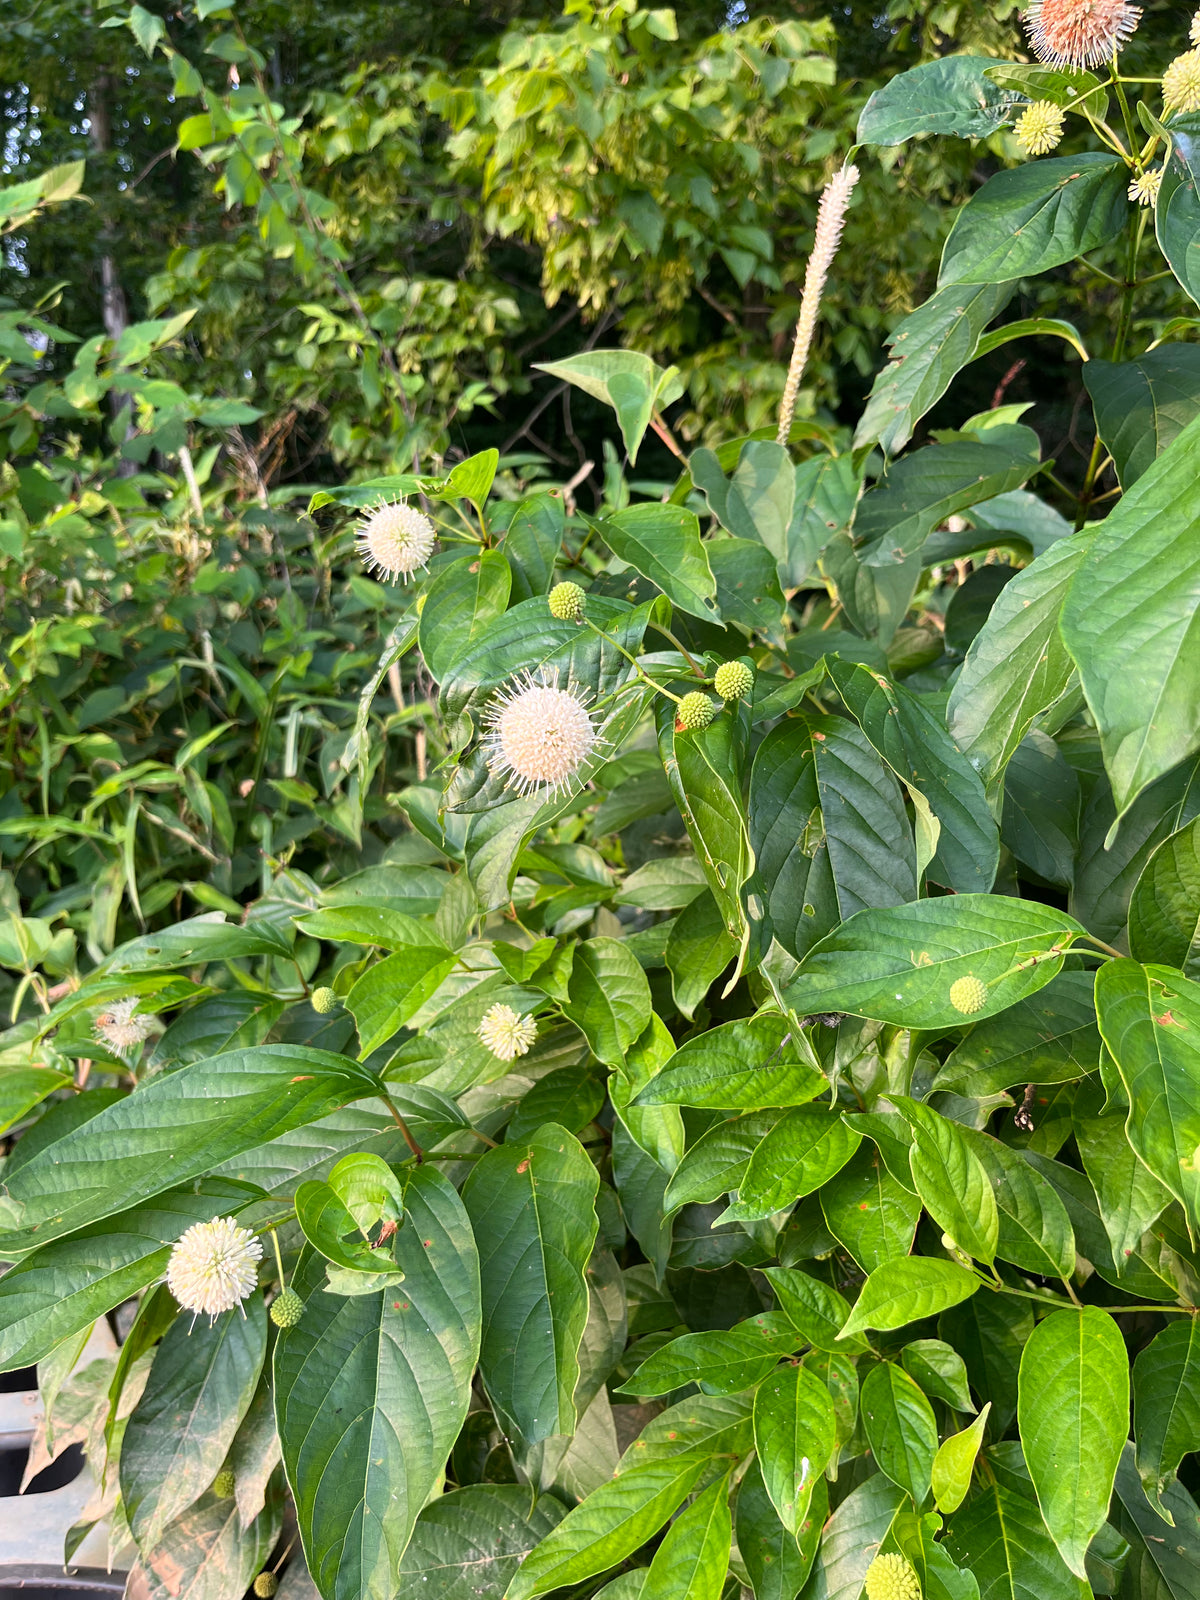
[(418, 1153), (667, 634), (632, 660), (278, 1259), (1107, 948)]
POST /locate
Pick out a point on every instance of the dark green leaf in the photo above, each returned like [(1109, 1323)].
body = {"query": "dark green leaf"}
[(174, 1127), (572, 1096), (868, 1212), (532, 543), (794, 1431), (756, 503), (532, 1206), (1074, 1419), (1164, 909), (199, 1389), (1158, 1567), (370, 1392), (699, 948), (663, 543), (1041, 809), (851, 1539), (748, 589), (1166, 1404), (1143, 562), (1177, 209), (989, 1332), (1031, 218), (800, 1154), (715, 1163), (1034, 1228), (900, 1428), (778, 1562), (898, 965), (1141, 405), (826, 490), (1130, 1197), (474, 1539), (463, 598), (725, 1361), (1000, 1536), (814, 1308), (1051, 1037), (951, 96), (608, 998)]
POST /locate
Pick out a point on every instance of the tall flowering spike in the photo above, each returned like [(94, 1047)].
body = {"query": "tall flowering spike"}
[(396, 540), (120, 1029), (214, 1266), (1079, 33), (506, 1033), (831, 215), (1181, 83), (537, 734)]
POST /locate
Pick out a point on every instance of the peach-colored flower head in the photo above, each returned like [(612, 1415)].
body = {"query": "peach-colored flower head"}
[(1079, 33), (538, 735), (396, 540)]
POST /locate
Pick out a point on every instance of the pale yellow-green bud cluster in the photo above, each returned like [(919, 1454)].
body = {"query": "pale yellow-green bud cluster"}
[(265, 1585), (323, 1000), (1040, 127), (566, 602), (968, 995), (224, 1484), (695, 711), (733, 680), (891, 1577), (286, 1309), (1181, 83)]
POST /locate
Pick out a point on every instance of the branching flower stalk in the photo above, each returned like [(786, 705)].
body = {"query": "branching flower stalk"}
[(831, 215)]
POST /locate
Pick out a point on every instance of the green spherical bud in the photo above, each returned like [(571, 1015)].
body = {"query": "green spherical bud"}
[(224, 1484), (968, 995), (265, 1585), (286, 1309), (324, 1001), (892, 1578), (733, 680), (695, 711), (566, 602)]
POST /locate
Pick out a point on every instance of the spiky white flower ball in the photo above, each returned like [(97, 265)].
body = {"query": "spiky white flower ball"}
[(120, 1028), (396, 540), (537, 734), (507, 1034), (1079, 33), (1194, 29), (214, 1266), (1143, 191)]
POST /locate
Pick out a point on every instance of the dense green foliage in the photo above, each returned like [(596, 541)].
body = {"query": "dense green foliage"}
[(696, 996)]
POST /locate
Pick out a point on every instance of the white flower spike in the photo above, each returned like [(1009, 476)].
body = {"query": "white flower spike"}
[(120, 1029), (214, 1267), (538, 735), (396, 540), (506, 1034)]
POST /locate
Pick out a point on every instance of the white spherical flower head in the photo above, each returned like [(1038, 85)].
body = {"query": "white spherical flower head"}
[(538, 735), (214, 1266), (120, 1029), (396, 540), (506, 1034)]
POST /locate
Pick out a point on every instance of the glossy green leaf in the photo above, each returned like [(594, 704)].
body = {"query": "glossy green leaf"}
[(920, 752), (804, 1149), (1166, 1405), (1164, 909), (1129, 1196), (894, 519), (1161, 1565), (394, 989), (950, 1179), (828, 828), (715, 1163), (813, 1308), (475, 1537), (1034, 1229), (900, 1428), (200, 939), (868, 1212), (928, 348), (908, 1290), (1017, 666), (989, 1332), (1143, 404), (778, 1562), (756, 503), (22, 1088), (627, 380), (663, 543), (1177, 209), (532, 1206), (531, 543), (725, 1361), (1143, 684), (999, 1535), (1030, 218), (739, 1066), (1150, 1020), (955, 1461), (1074, 1417), (940, 1371), (851, 1539), (199, 1389), (699, 948), (461, 600), (330, 1228), (897, 965), (608, 997), (748, 589), (61, 1289), (174, 1127), (370, 1393), (794, 1432), (826, 490), (691, 1562), (571, 1096), (951, 96)]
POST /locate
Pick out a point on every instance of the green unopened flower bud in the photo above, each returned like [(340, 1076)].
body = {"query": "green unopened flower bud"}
[(733, 680), (286, 1309), (265, 1585), (566, 602), (968, 995), (891, 1577), (695, 711), (224, 1484), (324, 1001)]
